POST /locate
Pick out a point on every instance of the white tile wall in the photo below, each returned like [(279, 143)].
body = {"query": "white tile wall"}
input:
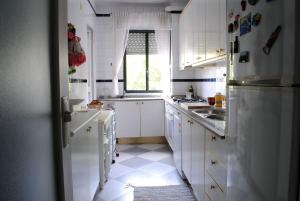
[(82, 16)]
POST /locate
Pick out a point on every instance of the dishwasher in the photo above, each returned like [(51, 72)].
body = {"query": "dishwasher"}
[(177, 141)]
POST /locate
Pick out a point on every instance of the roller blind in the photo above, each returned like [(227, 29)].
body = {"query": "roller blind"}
[(137, 44)]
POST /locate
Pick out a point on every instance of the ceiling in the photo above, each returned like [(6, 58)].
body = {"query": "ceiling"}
[(129, 3)]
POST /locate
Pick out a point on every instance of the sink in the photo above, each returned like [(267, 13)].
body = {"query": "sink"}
[(212, 113)]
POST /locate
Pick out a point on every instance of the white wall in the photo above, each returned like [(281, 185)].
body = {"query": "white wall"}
[(105, 55), (82, 16)]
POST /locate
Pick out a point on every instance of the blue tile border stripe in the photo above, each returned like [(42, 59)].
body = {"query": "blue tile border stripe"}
[(195, 80), (107, 80), (74, 80), (172, 80)]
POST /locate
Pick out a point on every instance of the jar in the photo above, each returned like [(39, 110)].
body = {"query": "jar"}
[(218, 100)]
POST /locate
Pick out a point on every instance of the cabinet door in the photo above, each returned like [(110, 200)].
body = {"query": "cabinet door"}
[(223, 26), (186, 147), (152, 118), (85, 163), (198, 31), (188, 27), (181, 42), (212, 28), (198, 149), (127, 119)]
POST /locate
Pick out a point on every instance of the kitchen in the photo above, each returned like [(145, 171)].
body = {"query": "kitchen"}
[(168, 100)]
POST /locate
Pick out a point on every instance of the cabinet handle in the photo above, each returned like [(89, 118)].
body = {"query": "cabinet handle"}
[(213, 138), (89, 129), (212, 187), (213, 162), (192, 122), (137, 103), (142, 102)]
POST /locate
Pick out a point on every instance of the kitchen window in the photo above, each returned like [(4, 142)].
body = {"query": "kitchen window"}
[(144, 70)]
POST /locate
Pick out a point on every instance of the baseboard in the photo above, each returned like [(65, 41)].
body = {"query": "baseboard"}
[(143, 140)]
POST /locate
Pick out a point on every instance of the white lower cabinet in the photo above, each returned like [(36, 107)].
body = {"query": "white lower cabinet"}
[(85, 162), (215, 167), (186, 147), (139, 118), (152, 118), (128, 119), (198, 152)]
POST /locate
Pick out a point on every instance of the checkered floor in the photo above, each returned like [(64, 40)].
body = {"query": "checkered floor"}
[(139, 165)]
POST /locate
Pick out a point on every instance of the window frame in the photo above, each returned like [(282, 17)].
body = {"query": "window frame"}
[(147, 65)]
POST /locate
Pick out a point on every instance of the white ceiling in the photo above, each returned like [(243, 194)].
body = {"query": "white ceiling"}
[(128, 3)]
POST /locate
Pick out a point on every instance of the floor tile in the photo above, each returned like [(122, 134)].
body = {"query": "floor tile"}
[(136, 162), (122, 147), (165, 149), (168, 160), (123, 156), (157, 169), (155, 156), (173, 178), (118, 170), (152, 146), (136, 178), (127, 197), (112, 190), (135, 150)]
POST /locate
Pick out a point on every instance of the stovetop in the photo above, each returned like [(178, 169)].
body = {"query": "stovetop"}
[(182, 99)]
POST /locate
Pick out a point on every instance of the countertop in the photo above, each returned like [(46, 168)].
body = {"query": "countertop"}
[(132, 98), (81, 119), (216, 126)]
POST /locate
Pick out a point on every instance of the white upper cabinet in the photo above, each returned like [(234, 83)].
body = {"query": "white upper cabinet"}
[(212, 27), (181, 43), (198, 10), (202, 32), (188, 27)]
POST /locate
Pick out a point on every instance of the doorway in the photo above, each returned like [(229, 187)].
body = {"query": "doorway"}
[(90, 63)]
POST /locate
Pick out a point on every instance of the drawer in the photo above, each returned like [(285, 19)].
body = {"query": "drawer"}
[(213, 192), (216, 146), (216, 170)]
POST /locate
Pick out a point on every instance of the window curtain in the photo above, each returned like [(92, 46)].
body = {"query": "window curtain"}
[(133, 18), (163, 46)]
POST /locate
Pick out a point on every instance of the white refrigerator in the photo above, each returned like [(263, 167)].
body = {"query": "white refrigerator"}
[(263, 101)]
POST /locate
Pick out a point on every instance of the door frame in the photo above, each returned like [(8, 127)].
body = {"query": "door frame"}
[(59, 89), (90, 62)]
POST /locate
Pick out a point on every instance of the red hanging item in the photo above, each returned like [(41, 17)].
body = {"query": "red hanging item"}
[(76, 53)]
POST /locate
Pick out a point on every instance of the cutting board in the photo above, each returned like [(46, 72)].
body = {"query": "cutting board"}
[(189, 106)]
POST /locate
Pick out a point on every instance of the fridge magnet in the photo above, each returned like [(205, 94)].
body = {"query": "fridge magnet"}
[(244, 5), (244, 57), (253, 2), (245, 24), (236, 22), (236, 45), (272, 39), (230, 28), (256, 19)]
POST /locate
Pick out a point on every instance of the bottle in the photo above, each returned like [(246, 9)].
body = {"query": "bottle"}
[(218, 100), (236, 45), (192, 91)]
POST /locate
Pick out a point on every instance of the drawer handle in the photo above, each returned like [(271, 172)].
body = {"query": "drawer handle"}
[(89, 129), (213, 162), (212, 187), (213, 138)]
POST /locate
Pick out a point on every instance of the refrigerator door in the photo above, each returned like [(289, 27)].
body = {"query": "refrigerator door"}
[(278, 65), (259, 136)]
